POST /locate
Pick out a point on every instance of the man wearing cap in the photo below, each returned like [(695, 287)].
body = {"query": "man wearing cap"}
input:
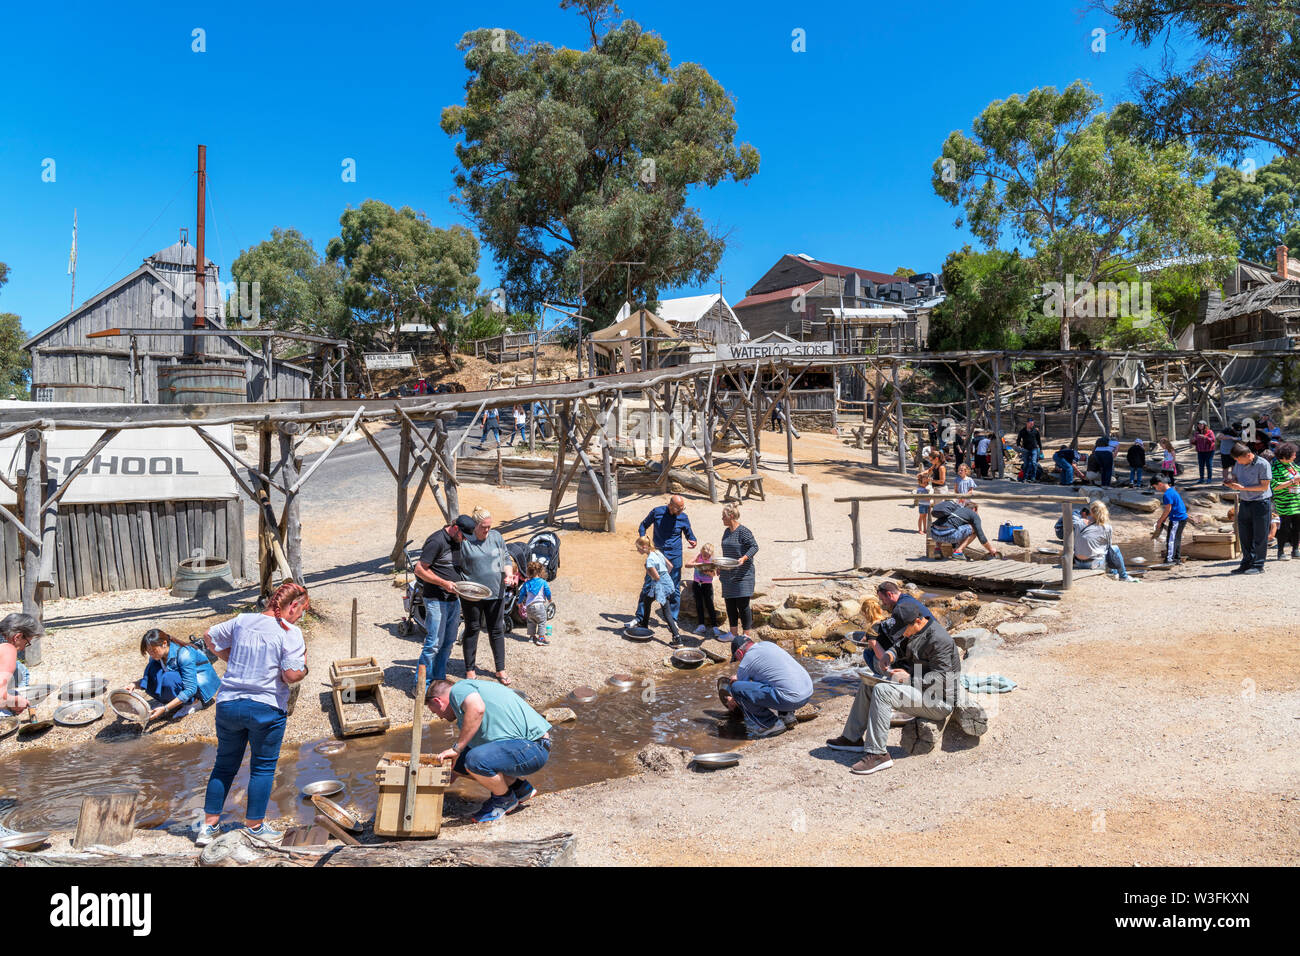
[(770, 686), (670, 523), (923, 669), (17, 631), (1030, 442), (439, 568)]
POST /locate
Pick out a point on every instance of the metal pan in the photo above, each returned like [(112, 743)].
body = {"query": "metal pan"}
[(583, 695), (622, 681), (27, 728), (24, 841), (870, 679), (329, 748), (36, 693), (130, 705), (718, 561), (688, 658), (473, 591), (638, 633), (322, 788), (79, 713), (8, 725), (344, 818), (857, 638), (86, 688), (716, 761)]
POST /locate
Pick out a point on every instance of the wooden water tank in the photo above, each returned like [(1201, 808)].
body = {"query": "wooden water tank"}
[(201, 384), (591, 513)]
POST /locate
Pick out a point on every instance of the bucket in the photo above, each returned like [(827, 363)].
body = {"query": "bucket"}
[(591, 513), (199, 577)]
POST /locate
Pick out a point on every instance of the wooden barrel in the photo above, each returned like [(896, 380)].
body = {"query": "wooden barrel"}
[(197, 384), (591, 513), (199, 577)]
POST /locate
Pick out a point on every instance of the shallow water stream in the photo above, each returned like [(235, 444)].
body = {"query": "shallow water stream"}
[(42, 789)]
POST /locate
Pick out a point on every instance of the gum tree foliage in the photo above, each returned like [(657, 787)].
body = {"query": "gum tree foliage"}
[(399, 268), (15, 361), (990, 296), (592, 152), (299, 291), (1262, 210), (1237, 85), (1086, 197)]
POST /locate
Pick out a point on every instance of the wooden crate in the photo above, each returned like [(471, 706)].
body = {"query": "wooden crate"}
[(359, 672), (935, 550), (352, 726), (432, 780), (1213, 546)]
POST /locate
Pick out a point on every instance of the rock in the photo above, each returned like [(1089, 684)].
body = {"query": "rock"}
[(968, 597), (842, 595), (968, 638), (991, 615), (849, 648), (920, 736), (971, 716), (662, 760), (558, 715), (1135, 501), (848, 610), (717, 651), (762, 611), (819, 649), (1044, 614), (1021, 628), (788, 619), (807, 712), (808, 602)]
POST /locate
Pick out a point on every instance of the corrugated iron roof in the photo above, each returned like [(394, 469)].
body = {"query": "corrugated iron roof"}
[(832, 269), (1259, 300), (777, 294)]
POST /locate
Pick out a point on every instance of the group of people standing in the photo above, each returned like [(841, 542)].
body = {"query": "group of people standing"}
[(517, 422), (972, 449)]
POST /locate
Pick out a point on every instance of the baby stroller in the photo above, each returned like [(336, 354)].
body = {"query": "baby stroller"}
[(544, 548)]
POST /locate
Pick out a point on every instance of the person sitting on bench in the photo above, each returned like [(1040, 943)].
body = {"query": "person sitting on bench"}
[(923, 672), (957, 524)]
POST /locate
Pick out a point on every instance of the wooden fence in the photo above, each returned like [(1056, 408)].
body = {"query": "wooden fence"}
[(120, 547)]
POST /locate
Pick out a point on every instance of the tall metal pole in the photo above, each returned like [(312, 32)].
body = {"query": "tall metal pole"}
[(200, 260)]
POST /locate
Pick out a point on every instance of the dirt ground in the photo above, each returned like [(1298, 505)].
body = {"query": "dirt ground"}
[(1153, 724)]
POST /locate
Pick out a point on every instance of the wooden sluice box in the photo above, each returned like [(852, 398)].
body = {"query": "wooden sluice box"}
[(431, 782), (358, 700)]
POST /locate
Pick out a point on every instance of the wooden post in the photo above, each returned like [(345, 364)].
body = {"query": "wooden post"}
[(1067, 544), (789, 427), (902, 429), (807, 512), (413, 770), (400, 562), (607, 469), (998, 464), (857, 535), (33, 462), (291, 522), (354, 627), (266, 562), (449, 482), (106, 819), (875, 417)]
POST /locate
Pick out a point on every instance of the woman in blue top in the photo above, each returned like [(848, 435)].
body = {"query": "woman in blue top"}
[(176, 675)]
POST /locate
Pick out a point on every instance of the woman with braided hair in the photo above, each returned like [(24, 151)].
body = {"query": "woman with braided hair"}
[(264, 654)]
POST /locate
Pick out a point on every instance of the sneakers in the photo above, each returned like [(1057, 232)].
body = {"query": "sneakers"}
[(494, 808), (755, 732), (676, 641), (541, 641), (1283, 556), (522, 791), (721, 635), (701, 629), (206, 834), (1241, 570), (788, 718), (843, 743), (1253, 571), (872, 763), (264, 834), (1129, 579)]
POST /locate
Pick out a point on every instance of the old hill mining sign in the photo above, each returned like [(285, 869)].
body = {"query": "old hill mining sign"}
[(777, 349), (378, 360)]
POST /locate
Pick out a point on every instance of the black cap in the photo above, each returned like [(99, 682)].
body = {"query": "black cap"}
[(466, 524)]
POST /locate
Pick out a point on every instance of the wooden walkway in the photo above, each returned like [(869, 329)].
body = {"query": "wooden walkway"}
[(997, 574)]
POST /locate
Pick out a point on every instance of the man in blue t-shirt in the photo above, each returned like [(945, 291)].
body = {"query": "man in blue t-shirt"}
[(670, 523), (1174, 514)]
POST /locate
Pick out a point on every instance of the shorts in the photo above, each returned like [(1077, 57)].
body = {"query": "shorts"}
[(952, 535)]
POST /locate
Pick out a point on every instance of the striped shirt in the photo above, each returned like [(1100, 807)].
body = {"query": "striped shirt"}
[(1286, 501)]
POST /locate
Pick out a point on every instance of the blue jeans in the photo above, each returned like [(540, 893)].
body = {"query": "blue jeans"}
[(1113, 559), (245, 723), (762, 705), (441, 620), (1135, 476), (1205, 466), (494, 428), (953, 536), (510, 758), (1031, 464)]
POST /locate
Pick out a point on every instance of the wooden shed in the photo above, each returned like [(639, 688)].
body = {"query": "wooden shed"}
[(67, 366)]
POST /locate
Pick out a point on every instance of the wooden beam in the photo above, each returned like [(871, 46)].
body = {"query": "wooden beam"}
[(85, 460), (320, 460)]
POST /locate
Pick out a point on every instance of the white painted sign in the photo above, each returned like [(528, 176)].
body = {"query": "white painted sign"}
[(141, 464), (378, 360), (753, 350)]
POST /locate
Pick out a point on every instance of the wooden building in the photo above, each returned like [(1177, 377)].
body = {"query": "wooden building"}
[(706, 318), (68, 366), (797, 295)]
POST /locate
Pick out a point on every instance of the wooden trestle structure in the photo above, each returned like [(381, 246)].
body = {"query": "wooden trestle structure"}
[(688, 398)]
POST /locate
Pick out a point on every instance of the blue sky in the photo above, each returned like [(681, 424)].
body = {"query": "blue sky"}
[(847, 130)]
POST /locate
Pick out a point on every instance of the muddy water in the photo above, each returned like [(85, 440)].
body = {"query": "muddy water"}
[(42, 789)]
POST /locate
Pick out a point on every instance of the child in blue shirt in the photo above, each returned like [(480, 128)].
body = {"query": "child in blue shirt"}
[(1173, 515), (535, 598)]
